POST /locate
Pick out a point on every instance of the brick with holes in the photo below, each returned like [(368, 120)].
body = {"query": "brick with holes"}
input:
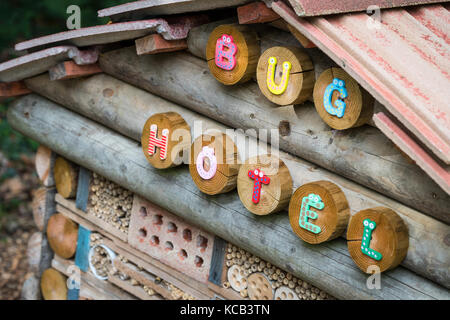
[(166, 237)]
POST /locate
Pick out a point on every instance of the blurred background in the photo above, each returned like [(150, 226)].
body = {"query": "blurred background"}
[(21, 20)]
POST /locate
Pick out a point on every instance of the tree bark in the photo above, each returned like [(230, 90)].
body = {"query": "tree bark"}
[(119, 159)]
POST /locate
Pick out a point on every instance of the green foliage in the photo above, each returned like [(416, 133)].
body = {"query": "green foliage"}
[(26, 19)]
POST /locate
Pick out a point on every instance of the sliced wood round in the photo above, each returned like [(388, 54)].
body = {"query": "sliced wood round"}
[(300, 83), (39, 205), (62, 234), (328, 203), (388, 238), (236, 278), (226, 155), (43, 165), (285, 293), (66, 177), (273, 196), (53, 285), (259, 287), (359, 103), (178, 139), (246, 56)]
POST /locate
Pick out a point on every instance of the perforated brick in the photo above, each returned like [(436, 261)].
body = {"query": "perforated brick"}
[(169, 239)]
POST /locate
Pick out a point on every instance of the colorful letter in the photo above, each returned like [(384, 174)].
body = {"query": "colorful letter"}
[(369, 226), (225, 52), (338, 85), (259, 178), (154, 142), (280, 88), (312, 200), (207, 152)]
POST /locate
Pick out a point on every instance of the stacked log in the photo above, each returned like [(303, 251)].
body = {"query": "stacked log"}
[(129, 118), (122, 155)]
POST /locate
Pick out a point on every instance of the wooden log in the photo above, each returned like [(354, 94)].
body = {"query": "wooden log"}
[(13, 89), (264, 184), (165, 139), (44, 162), (66, 177), (48, 209), (69, 70), (256, 12), (285, 75), (214, 163), (232, 53), (155, 43), (340, 101), (363, 155), (53, 285), (330, 212), (377, 237), (34, 248), (128, 118), (39, 207), (62, 235), (328, 267)]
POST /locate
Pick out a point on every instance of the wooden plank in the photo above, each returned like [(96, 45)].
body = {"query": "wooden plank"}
[(327, 266), (38, 62), (174, 30), (437, 171), (83, 246), (129, 118), (84, 179), (363, 155), (13, 89), (70, 70), (217, 261), (256, 12), (143, 277), (108, 290), (69, 209), (154, 43)]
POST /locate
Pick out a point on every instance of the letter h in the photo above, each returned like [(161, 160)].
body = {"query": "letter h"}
[(154, 142)]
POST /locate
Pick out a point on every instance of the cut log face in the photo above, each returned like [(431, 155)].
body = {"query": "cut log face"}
[(259, 287), (62, 234), (165, 138), (285, 75), (318, 212), (379, 237), (53, 285), (43, 164), (232, 53), (340, 101), (264, 184), (214, 164), (66, 177)]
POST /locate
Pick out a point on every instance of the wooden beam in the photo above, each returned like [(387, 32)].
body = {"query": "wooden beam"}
[(328, 266), (13, 89), (69, 70), (256, 12), (155, 43), (129, 118)]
